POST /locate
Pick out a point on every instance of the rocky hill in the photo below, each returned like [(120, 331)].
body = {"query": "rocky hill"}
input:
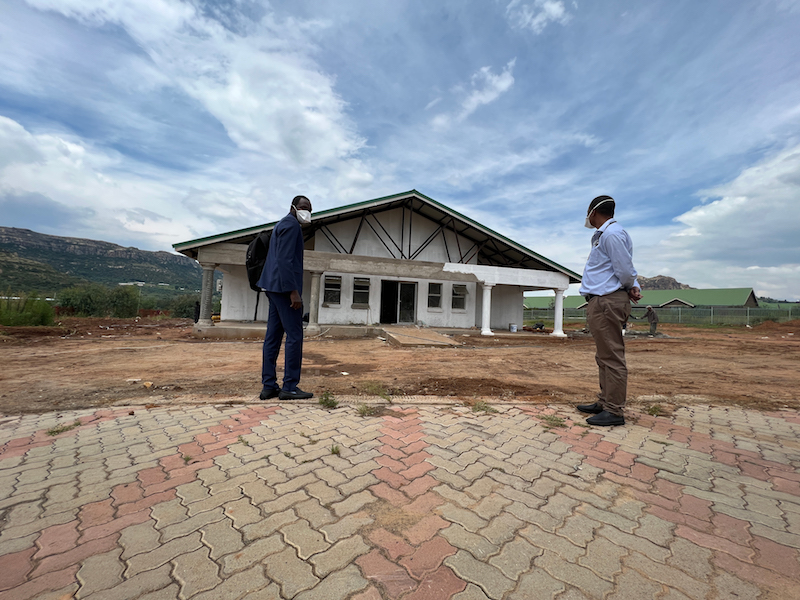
[(31, 261), (662, 282)]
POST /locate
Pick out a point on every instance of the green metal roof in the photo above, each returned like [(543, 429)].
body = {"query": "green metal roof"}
[(711, 297), (505, 247)]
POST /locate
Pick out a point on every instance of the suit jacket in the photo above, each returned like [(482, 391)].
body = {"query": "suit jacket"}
[(283, 270)]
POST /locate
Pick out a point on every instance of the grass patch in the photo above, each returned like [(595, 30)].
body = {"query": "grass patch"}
[(552, 421), (287, 454), (375, 388), (62, 428), (24, 310), (655, 410), (243, 441), (335, 450), (483, 407), (327, 400), (365, 411), (186, 459)]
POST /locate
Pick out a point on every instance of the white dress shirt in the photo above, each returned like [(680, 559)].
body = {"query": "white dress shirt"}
[(610, 263)]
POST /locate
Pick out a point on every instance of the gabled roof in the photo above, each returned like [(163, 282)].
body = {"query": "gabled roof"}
[(711, 297), (492, 248), (658, 298)]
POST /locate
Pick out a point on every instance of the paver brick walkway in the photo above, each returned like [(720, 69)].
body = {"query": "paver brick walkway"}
[(421, 503)]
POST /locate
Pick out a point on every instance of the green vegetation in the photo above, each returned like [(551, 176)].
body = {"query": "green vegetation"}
[(335, 450), (375, 388), (552, 421), (94, 300), (63, 428), (365, 411), (182, 307), (654, 410), (243, 441), (483, 407), (327, 400), (25, 310)]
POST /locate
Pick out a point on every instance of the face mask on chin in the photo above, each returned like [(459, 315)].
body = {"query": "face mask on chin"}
[(303, 216)]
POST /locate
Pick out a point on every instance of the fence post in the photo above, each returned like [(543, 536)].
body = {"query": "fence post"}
[(748, 316), (712, 315), (679, 315)]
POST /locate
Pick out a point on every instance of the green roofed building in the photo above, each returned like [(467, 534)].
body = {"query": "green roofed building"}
[(400, 259), (727, 297)]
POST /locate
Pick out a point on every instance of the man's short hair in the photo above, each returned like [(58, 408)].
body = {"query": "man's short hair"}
[(297, 199), (606, 208)]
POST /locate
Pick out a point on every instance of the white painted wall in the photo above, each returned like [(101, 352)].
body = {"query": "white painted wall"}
[(239, 301), (506, 307), (345, 314)]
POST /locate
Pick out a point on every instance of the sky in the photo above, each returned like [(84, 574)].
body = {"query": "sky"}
[(152, 122)]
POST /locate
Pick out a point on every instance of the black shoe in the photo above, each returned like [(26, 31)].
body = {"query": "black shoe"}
[(592, 409), (606, 419), (269, 392), (297, 394)]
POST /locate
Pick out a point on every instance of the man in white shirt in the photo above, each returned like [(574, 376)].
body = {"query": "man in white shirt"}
[(609, 285)]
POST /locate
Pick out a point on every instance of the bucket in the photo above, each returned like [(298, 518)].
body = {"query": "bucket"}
[(512, 327)]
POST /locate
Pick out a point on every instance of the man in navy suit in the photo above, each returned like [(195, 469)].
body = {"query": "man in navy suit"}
[(282, 280)]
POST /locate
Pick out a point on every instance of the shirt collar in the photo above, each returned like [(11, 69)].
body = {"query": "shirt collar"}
[(605, 225)]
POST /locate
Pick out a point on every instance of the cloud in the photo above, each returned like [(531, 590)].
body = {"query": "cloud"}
[(485, 88), (260, 82), (536, 15), (743, 233), (38, 212)]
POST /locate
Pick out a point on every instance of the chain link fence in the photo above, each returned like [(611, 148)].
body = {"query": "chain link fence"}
[(679, 314)]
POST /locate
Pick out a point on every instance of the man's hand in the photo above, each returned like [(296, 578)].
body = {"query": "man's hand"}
[(635, 294), (297, 301)]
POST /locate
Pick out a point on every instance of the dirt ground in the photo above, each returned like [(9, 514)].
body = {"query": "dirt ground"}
[(87, 363)]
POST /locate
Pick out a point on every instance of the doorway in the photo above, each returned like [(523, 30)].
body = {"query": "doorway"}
[(398, 302)]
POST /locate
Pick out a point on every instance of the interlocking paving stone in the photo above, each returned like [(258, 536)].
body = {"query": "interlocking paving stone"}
[(569, 513)]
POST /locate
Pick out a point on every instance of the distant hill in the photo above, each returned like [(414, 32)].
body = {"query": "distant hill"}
[(662, 282), (31, 261)]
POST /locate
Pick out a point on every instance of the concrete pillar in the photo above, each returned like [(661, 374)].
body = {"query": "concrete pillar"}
[(558, 315), (486, 316), (206, 291), (313, 309)]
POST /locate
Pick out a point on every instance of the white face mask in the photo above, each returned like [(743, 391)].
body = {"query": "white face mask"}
[(303, 216), (586, 223)]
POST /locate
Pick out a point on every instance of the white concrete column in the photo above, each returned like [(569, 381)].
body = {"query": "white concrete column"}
[(486, 313), (558, 315), (313, 309), (206, 292)]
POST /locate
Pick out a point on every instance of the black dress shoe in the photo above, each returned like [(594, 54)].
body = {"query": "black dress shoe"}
[(606, 419), (592, 409), (269, 392), (297, 394)]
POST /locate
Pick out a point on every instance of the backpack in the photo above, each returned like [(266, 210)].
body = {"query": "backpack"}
[(256, 258), (254, 262)]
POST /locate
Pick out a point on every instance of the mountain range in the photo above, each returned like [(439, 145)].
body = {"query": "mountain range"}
[(36, 262)]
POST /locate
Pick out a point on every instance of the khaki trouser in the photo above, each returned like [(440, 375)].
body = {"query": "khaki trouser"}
[(605, 316)]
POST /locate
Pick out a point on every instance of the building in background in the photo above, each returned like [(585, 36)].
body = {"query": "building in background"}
[(401, 259)]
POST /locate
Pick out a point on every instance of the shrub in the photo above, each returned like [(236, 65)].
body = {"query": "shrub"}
[(124, 302), (25, 310), (90, 300), (182, 307)]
